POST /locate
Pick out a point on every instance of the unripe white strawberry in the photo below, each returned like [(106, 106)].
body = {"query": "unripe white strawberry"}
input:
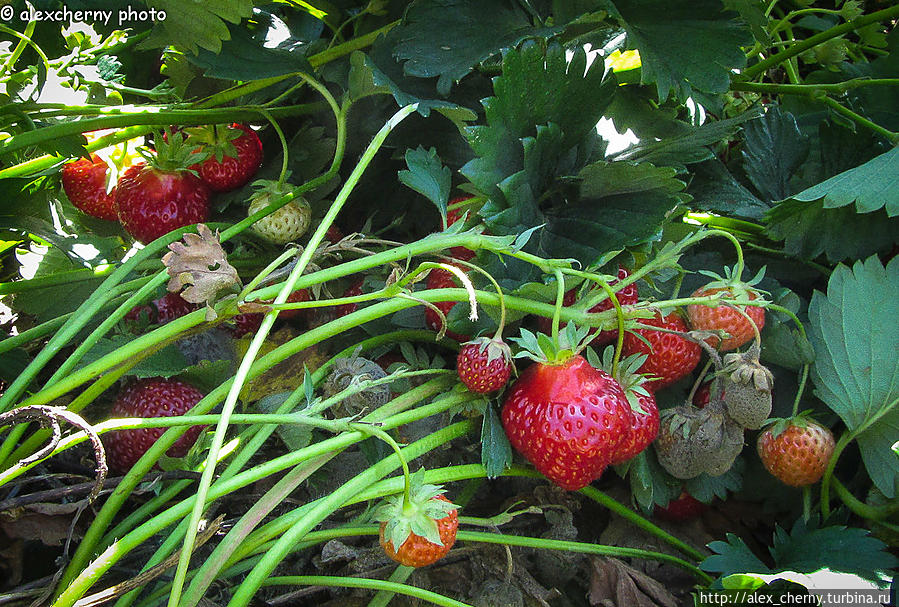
[(286, 224)]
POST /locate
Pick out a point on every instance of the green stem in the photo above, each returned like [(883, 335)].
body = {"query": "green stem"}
[(115, 118), (366, 583), (273, 557), (842, 443), (839, 108), (560, 299), (399, 575), (873, 513), (811, 90), (812, 41), (81, 583)]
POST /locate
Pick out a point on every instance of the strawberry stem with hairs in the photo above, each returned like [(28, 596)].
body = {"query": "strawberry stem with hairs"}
[(560, 297)]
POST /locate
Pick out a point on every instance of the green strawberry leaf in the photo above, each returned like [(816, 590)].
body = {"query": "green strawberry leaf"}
[(685, 146), (621, 204), (539, 85), (437, 38), (705, 488), (715, 189), (193, 25), (773, 149), (650, 484), (848, 549), (808, 230), (496, 452), (167, 362), (244, 57), (871, 187), (694, 47), (852, 329), (294, 436), (428, 176), (732, 556)]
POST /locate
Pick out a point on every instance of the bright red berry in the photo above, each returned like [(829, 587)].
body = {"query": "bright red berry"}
[(669, 357), (798, 455), (644, 427), (236, 155), (85, 183), (484, 365), (707, 318), (163, 310), (441, 279), (567, 419), (683, 508), (416, 550), (153, 397), (151, 202)]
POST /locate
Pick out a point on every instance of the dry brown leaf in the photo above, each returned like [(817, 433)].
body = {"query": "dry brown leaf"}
[(200, 264), (615, 584), (48, 529)]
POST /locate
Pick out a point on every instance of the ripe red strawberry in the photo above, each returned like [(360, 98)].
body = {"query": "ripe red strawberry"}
[(626, 297), (484, 364), (151, 203), (351, 291), (669, 357), (642, 411), (796, 451), (684, 508), (153, 397), (442, 279), (424, 532), (452, 216), (707, 318), (567, 419), (85, 183), (160, 311), (235, 155)]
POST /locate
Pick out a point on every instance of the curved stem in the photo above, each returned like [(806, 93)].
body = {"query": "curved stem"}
[(407, 476), (800, 47), (560, 302), (367, 583), (844, 441), (285, 153)]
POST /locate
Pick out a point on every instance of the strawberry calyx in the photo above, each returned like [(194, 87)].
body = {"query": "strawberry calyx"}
[(271, 189), (541, 348), (417, 512), (627, 374), (496, 349), (732, 282), (778, 425), (216, 139), (172, 154)]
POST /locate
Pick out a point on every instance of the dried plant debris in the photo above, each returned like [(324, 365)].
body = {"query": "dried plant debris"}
[(199, 268)]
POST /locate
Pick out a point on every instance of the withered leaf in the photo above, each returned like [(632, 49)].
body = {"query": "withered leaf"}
[(200, 264), (615, 584)]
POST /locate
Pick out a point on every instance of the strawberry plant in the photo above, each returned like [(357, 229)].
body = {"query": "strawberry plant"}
[(259, 259)]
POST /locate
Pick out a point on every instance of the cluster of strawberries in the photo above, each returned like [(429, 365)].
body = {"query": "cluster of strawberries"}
[(171, 186)]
